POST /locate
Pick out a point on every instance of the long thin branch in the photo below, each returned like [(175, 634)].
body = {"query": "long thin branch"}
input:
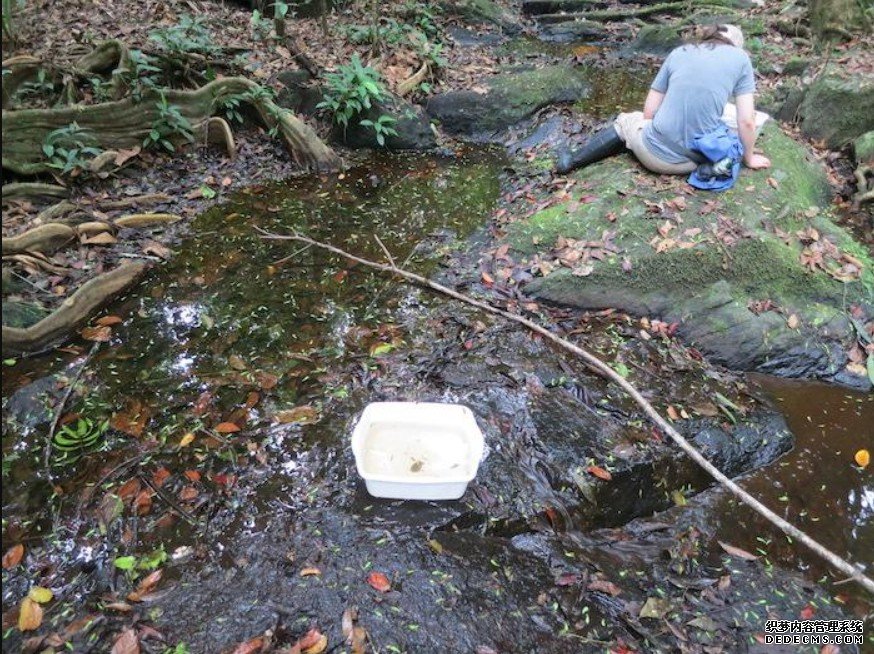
[(787, 528)]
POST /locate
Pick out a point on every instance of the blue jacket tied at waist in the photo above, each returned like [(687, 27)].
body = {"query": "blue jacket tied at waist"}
[(724, 153)]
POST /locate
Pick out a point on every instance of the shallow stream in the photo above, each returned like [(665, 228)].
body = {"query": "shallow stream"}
[(266, 335)]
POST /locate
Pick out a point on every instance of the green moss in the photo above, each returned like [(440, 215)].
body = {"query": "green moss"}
[(838, 110), (863, 148)]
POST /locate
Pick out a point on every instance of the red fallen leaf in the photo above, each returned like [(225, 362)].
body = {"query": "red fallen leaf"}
[(737, 552), (160, 476), (143, 503), (127, 643), (224, 480), (250, 646), (129, 489), (227, 181), (108, 321), (379, 581), (96, 334), (192, 475), (340, 276), (252, 399), (567, 579), (807, 612), (656, 434), (226, 428), (488, 280), (604, 586), (13, 556), (188, 493), (132, 420), (599, 472)]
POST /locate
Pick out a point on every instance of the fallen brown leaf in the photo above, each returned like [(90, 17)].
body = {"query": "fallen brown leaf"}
[(127, 642), (13, 556)]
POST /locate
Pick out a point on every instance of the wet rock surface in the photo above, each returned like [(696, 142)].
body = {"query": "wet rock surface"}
[(505, 100), (718, 265)]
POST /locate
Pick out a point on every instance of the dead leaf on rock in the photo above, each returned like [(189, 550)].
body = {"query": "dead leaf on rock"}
[(655, 607), (604, 586), (227, 428), (313, 642), (97, 334), (29, 615), (599, 472), (303, 415), (378, 581), (250, 646), (127, 642), (108, 321), (13, 556), (737, 552)]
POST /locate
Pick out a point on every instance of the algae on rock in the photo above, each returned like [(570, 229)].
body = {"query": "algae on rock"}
[(506, 99), (712, 261)]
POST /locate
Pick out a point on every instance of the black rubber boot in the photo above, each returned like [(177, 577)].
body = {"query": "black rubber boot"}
[(604, 144)]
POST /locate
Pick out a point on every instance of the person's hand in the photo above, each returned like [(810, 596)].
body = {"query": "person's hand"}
[(757, 162)]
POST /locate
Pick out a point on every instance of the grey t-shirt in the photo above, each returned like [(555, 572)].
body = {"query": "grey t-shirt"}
[(697, 81)]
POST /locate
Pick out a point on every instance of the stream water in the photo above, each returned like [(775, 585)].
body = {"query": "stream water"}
[(240, 329)]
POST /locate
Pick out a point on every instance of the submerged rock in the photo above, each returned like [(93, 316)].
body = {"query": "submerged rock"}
[(759, 277), (506, 99)]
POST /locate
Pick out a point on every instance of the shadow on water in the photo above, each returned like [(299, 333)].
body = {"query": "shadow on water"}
[(817, 486)]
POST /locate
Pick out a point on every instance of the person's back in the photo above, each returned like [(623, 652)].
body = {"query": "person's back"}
[(697, 81)]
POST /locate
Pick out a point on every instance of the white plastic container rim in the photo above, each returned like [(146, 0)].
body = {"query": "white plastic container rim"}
[(456, 416)]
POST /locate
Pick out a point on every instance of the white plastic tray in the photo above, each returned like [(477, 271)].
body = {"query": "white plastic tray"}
[(417, 450)]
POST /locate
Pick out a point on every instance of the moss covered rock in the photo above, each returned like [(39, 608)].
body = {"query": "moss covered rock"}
[(506, 99), (863, 149), (838, 110), (759, 276)]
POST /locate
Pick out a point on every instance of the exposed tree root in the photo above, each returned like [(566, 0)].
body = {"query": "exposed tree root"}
[(863, 194), (786, 527), (36, 261), (45, 238), (55, 212), (218, 132), (147, 219), (21, 69), (410, 84), (607, 15), (31, 189), (124, 124), (73, 311)]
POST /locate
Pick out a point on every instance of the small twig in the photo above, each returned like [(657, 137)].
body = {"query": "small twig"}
[(60, 408), (388, 255), (786, 527), (291, 256), (190, 519)]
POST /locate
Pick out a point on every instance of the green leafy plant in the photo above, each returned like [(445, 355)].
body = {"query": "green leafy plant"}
[(181, 648), (70, 148), (169, 123), (143, 73), (189, 35), (350, 91), (74, 441), (382, 126)]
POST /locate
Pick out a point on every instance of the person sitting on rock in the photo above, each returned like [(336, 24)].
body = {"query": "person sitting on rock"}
[(689, 98)]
